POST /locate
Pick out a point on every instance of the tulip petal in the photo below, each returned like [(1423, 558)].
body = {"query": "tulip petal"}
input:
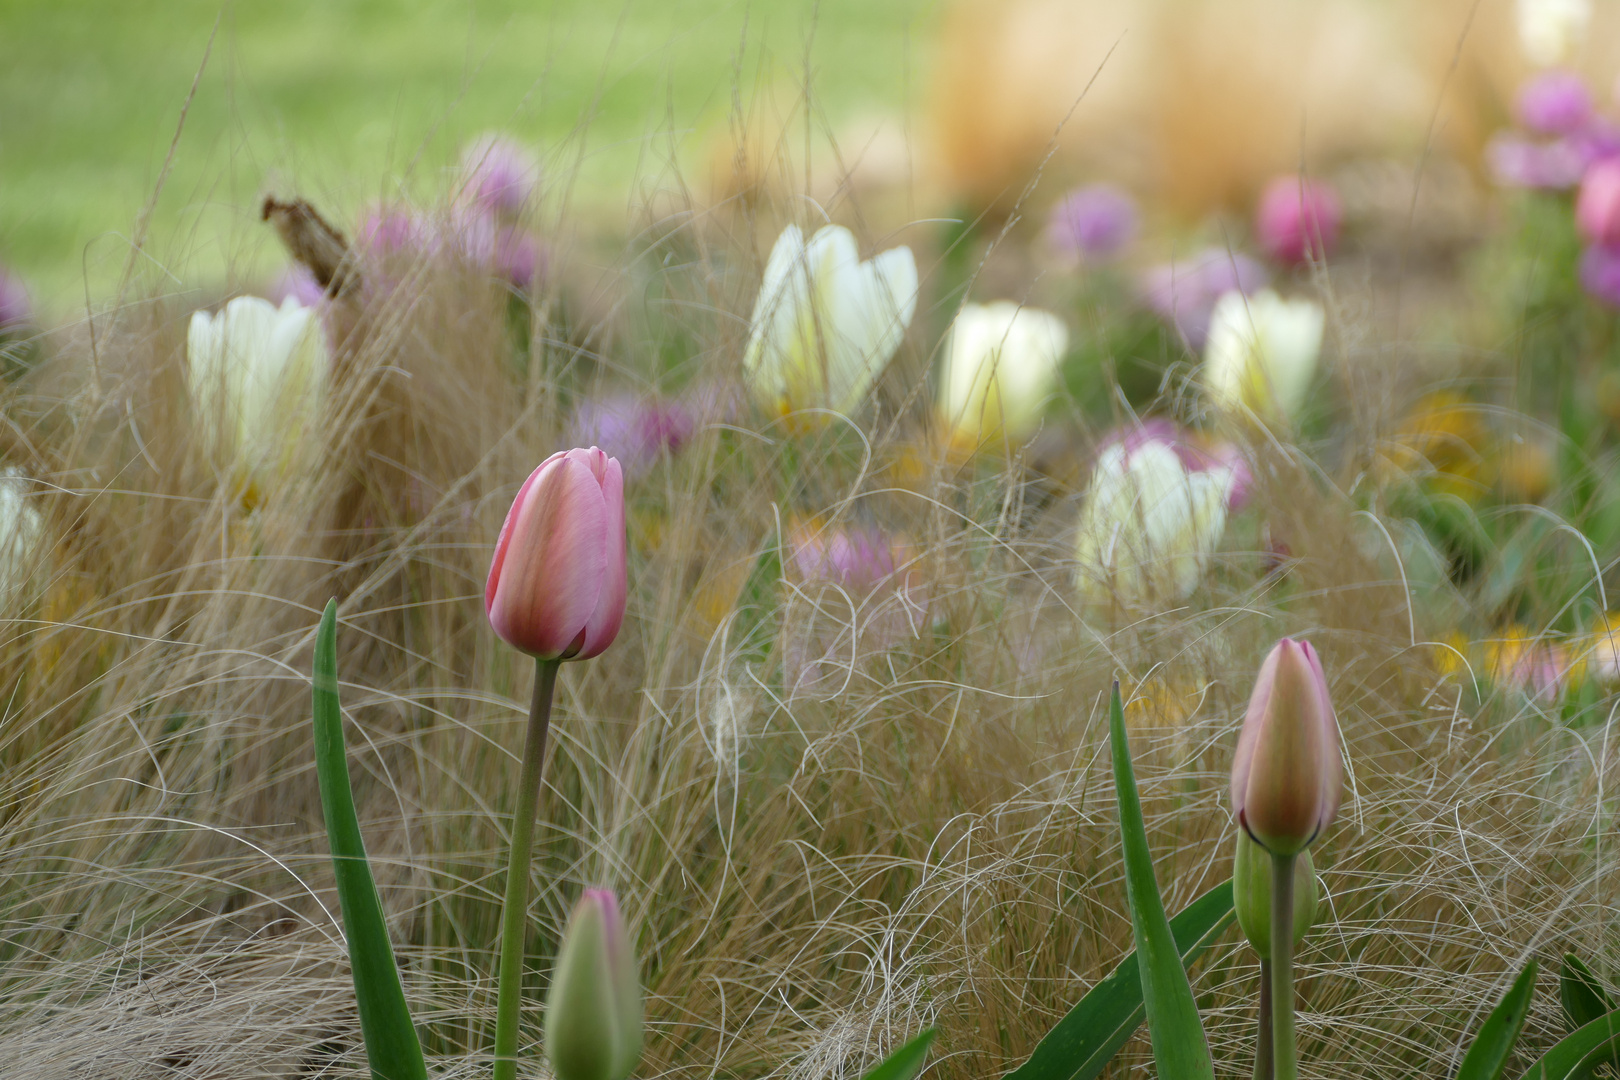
[(1332, 760), (603, 625), (551, 560), (1249, 733)]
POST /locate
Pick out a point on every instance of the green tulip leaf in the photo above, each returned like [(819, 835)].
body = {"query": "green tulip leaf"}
[(1488, 1056), (392, 1047), (907, 1061), (1080, 1046), (1579, 991), (1581, 1051), (1179, 1046)]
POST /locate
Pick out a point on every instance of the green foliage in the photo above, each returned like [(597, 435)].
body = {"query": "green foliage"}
[(1080, 1046), (1488, 1055), (385, 1021), (1179, 1046), (1578, 1053), (1580, 993), (907, 1061)]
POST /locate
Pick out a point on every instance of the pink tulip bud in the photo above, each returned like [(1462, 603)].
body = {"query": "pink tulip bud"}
[(1597, 208), (1287, 778), (594, 1011), (1297, 220), (557, 586)]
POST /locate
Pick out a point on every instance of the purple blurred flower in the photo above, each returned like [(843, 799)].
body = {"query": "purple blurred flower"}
[(393, 230), (1597, 207), (1600, 274), (1555, 103), (1552, 164), (856, 558), (498, 175), (297, 282), (1194, 457), (15, 307), (634, 429), (519, 257), (1297, 220), (1184, 293), (1095, 222)]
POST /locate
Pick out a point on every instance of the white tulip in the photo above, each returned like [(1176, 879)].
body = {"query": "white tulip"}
[(1550, 30), (21, 531), (257, 375), (826, 324), (1149, 526), (1000, 368), (1261, 354)]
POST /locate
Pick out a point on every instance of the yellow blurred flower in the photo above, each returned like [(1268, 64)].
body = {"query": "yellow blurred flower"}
[(1261, 353), (1001, 366)]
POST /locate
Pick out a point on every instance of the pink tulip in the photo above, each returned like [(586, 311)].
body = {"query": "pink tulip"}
[(1287, 778), (1597, 208), (557, 586), (1297, 220)]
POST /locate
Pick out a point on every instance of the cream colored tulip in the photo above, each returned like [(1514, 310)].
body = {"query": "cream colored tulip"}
[(22, 531), (1551, 30), (1261, 354), (1149, 526), (257, 375), (826, 324), (1000, 367)]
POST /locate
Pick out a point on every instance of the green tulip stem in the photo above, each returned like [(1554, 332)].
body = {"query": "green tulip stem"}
[(509, 985), (1262, 1042), (1285, 1060)]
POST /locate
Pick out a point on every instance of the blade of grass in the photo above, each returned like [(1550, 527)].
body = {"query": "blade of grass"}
[(1488, 1056), (1578, 1053), (1179, 1046), (392, 1047), (907, 1061), (1580, 993), (1080, 1046)]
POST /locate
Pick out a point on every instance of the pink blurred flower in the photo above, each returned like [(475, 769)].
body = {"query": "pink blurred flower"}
[(633, 428), (1092, 223), (297, 282), (394, 230), (1552, 165), (1554, 103), (498, 175), (1297, 220), (1184, 293), (1597, 207)]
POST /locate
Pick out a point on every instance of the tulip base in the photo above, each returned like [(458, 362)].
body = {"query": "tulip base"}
[(509, 986)]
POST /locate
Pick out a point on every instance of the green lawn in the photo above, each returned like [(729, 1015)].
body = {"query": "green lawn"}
[(348, 100)]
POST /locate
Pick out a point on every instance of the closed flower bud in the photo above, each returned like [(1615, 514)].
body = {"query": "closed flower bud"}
[(1287, 777), (1251, 893), (593, 1011), (1000, 368), (826, 324), (557, 584)]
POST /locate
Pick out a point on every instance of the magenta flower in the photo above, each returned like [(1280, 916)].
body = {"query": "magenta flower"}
[(1092, 223), (1554, 103), (1600, 274), (498, 176), (1297, 220), (1184, 293), (557, 584), (1597, 207), (1287, 777)]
